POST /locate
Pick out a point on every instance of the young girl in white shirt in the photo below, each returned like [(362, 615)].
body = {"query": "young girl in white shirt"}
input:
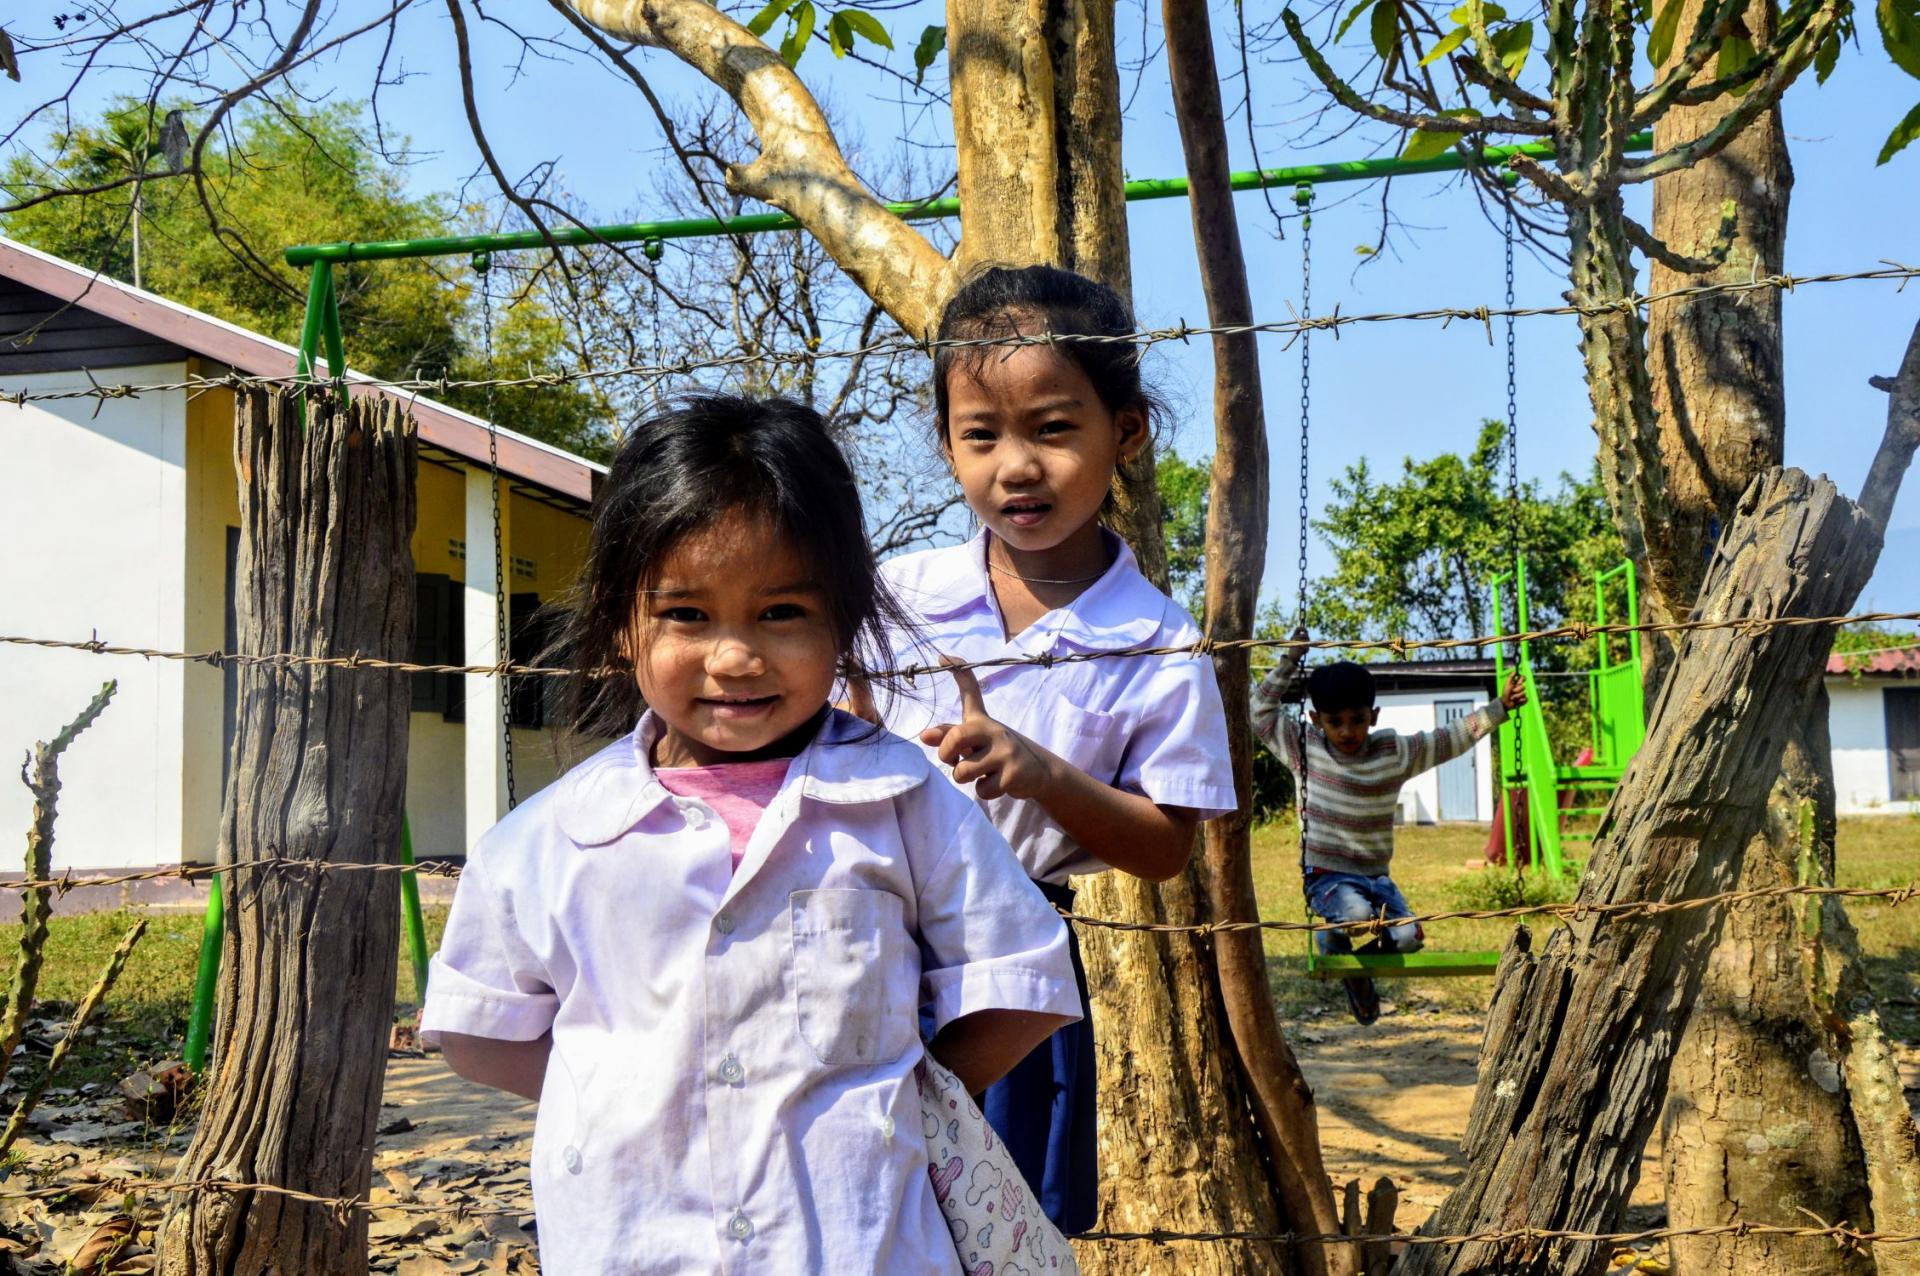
[(1084, 766), (703, 949)]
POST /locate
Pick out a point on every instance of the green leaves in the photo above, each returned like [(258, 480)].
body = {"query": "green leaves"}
[(798, 34), (933, 41), (1512, 44), (844, 28), (1422, 144), (1448, 43), (1353, 15), (1384, 28), (1900, 32), (1736, 51), (1826, 57), (866, 26), (1903, 133), (1665, 27)]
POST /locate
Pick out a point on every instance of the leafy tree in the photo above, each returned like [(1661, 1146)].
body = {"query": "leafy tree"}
[(1183, 521), (286, 176), (1414, 555)]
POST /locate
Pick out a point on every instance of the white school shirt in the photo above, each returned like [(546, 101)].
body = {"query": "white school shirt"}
[(731, 1086), (1148, 724)]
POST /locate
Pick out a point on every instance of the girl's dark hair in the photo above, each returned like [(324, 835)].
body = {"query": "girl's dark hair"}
[(1027, 301), (678, 472)]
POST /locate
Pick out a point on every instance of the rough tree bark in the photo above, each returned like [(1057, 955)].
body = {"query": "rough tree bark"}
[(319, 774), (1761, 1118), (1236, 556), (1581, 1036), (1036, 123), (1037, 119)]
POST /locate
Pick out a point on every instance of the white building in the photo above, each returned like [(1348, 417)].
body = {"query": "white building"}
[(120, 518), (1421, 695), (1874, 721)]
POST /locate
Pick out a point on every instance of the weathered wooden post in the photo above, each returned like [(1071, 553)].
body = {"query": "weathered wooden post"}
[(1582, 1033), (319, 775)]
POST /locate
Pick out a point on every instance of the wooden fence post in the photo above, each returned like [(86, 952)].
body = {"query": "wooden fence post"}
[(319, 774)]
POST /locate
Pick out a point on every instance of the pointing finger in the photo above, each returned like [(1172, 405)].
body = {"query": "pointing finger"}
[(973, 704)]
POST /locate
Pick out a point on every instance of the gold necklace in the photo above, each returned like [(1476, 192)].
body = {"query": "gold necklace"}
[(1042, 580)]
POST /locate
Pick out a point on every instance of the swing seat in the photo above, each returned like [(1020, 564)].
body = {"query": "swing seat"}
[(1420, 965)]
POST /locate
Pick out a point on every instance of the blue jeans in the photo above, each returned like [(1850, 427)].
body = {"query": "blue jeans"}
[(1354, 897)]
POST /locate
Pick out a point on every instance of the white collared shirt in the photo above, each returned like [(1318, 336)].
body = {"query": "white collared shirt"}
[(731, 1085), (1148, 724)]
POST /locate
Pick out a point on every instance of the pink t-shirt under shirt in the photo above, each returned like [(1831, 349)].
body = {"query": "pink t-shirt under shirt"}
[(738, 792)]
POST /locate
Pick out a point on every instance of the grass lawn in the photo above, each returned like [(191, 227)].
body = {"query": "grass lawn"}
[(146, 1017), (1429, 866)]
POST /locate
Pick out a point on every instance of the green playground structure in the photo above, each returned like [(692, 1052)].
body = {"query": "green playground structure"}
[(1617, 722)]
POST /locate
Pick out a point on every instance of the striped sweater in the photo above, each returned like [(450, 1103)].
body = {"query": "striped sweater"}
[(1350, 798)]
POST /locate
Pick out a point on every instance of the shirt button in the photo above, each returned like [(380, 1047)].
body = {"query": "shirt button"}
[(886, 1127), (724, 923), (739, 1226), (696, 818), (731, 1072), (570, 1157)]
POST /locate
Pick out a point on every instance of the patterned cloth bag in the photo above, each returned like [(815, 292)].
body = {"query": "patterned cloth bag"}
[(997, 1225)]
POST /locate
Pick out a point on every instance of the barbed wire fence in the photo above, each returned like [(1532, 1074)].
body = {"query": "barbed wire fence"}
[(1484, 315), (342, 1208), (1291, 328)]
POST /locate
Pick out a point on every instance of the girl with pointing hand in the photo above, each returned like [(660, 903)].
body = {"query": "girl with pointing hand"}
[(1087, 765)]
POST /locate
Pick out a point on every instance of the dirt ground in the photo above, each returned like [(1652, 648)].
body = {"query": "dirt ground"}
[(1393, 1100)]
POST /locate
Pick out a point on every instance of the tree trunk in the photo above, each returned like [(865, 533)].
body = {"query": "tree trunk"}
[(1036, 105), (1236, 556), (1581, 1036), (1036, 124), (319, 773), (1760, 1111)]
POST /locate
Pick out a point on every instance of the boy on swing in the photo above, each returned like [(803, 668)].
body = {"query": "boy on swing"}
[(1347, 778)]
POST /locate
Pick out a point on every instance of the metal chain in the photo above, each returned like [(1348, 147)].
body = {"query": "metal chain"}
[(1513, 396), (1303, 199), (482, 263), (1303, 196)]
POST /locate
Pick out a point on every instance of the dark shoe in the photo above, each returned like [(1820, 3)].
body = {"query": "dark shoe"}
[(1363, 999)]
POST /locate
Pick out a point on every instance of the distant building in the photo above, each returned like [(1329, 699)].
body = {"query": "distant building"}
[(120, 520), (1420, 695), (1874, 721)]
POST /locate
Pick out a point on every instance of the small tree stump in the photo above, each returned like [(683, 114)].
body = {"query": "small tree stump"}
[(319, 772)]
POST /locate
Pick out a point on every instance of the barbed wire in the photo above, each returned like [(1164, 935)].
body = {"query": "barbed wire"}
[(1889, 271), (1576, 631), (64, 883), (342, 1208)]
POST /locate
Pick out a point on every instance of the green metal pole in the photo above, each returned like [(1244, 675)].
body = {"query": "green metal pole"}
[(917, 211), (410, 913), (206, 979)]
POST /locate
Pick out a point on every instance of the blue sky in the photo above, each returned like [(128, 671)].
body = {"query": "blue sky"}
[(1380, 391)]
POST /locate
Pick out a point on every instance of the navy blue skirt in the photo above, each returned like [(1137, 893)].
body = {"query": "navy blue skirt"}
[(1043, 1109)]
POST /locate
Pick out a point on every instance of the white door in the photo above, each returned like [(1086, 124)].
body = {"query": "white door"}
[(1458, 792)]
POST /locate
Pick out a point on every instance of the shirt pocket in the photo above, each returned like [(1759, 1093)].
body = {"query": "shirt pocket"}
[(855, 972), (1094, 742)]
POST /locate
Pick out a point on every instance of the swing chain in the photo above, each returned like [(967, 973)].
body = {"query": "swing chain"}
[(1303, 197), (1513, 396), (482, 263)]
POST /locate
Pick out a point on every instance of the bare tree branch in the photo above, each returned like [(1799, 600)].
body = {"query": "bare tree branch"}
[(800, 167), (1716, 255)]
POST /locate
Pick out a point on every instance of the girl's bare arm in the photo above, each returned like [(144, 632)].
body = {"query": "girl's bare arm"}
[(982, 1047), (518, 1067)]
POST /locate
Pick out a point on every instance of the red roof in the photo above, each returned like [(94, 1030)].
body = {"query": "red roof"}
[(449, 429), (1902, 663)]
